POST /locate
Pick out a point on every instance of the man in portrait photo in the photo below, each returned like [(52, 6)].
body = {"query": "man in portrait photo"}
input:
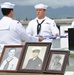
[(10, 62), (35, 62), (55, 63)]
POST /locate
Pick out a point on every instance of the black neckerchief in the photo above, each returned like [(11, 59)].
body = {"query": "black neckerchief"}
[(39, 26)]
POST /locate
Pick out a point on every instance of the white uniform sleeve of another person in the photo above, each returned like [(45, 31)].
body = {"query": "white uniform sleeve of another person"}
[(54, 28), (72, 25), (29, 29), (24, 36), (32, 29)]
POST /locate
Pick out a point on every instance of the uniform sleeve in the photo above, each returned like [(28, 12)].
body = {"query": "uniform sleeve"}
[(72, 24), (29, 29), (54, 28), (23, 34)]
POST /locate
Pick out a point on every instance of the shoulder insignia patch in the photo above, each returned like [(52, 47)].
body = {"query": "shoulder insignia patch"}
[(18, 22), (47, 23)]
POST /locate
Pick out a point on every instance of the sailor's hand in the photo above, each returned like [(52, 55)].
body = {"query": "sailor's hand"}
[(41, 39), (56, 34)]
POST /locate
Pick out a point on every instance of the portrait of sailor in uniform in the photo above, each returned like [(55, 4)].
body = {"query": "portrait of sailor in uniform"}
[(34, 57), (56, 62), (10, 61), (35, 62)]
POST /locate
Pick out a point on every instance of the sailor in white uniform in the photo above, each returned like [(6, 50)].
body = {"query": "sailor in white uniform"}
[(12, 31), (42, 25)]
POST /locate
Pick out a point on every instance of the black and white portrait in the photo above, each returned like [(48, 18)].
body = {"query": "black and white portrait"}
[(56, 62), (10, 58), (34, 57)]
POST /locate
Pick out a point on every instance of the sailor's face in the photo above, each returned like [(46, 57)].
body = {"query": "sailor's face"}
[(11, 53), (56, 60), (40, 13), (35, 54)]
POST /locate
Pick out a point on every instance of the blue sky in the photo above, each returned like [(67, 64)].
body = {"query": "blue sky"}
[(50, 3)]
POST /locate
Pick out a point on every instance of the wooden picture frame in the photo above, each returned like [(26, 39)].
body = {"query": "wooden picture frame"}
[(1, 49), (57, 62), (40, 53), (10, 57)]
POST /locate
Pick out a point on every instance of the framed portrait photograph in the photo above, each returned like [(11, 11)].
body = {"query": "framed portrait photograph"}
[(34, 57), (58, 59), (10, 57)]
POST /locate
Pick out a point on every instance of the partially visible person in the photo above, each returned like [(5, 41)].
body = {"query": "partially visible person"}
[(72, 24), (12, 31), (10, 62), (42, 25), (35, 62)]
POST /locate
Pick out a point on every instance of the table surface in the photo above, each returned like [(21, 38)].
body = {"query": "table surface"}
[(7, 73)]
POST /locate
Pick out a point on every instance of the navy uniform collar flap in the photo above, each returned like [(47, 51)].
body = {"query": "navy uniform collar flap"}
[(4, 27)]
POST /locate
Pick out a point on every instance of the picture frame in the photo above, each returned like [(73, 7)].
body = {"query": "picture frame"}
[(39, 52), (1, 49), (10, 57), (57, 62)]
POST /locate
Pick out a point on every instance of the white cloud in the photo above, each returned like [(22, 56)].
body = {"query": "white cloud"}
[(50, 3)]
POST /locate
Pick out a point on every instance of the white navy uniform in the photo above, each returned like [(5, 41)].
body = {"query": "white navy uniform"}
[(48, 28), (12, 64), (12, 31)]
